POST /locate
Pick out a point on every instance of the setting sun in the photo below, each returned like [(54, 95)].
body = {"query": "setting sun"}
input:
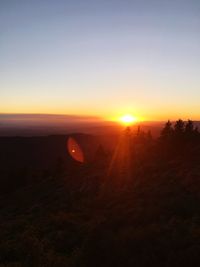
[(128, 119)]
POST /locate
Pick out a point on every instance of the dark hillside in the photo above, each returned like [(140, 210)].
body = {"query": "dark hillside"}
[(139, 206), (39, 152)]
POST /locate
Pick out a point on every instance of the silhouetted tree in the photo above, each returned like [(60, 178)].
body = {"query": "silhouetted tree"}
[(140, 136), (179, 127), (196, 134), (189, 131), (149, 136), (189, 127), (167, 131), (138, 131), (196, 131), (181, 139)]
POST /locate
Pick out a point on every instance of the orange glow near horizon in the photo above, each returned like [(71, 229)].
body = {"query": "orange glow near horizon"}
[(104, 110), (128, 119), (114, 115)]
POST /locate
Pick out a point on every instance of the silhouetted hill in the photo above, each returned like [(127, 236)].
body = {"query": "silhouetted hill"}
[(138, 205), (41, 152)]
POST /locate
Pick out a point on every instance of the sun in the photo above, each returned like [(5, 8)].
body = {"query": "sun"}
[(128, 119)]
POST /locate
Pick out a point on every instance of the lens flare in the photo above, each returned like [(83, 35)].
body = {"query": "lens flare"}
[(75, 150)]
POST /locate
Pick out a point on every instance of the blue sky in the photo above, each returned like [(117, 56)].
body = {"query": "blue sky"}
[(100, 57)]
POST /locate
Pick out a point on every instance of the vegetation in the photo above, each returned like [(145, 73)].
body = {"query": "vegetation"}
[(138, 206)]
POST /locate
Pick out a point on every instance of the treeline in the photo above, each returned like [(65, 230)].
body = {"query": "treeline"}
[(176, 139), (177, 132), (180, 131)]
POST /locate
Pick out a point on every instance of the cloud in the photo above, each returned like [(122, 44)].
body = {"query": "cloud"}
[(45, 119)]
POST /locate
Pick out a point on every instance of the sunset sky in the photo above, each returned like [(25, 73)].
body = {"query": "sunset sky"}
[(103, 58)]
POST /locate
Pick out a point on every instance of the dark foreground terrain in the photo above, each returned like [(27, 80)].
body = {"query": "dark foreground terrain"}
[(138, 205)]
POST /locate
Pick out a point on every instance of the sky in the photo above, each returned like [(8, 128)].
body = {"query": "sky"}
[(101, 58)]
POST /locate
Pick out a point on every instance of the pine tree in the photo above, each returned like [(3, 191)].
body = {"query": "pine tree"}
[(189, 127), (167, 131), (149, 136), (179, 127), (189, 131)]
